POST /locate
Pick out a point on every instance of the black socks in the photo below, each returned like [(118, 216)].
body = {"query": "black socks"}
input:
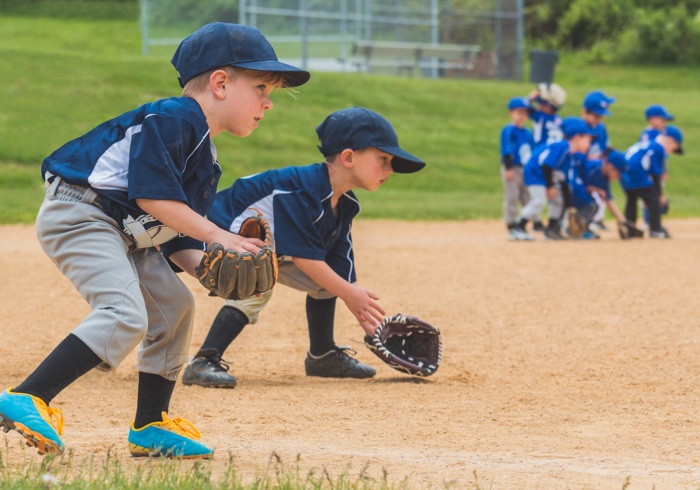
[(66, 363), (228, 324), (153, 398), (320, 314)]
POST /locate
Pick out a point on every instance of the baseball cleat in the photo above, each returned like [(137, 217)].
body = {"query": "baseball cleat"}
[(518, 234), (208, 370), (33, 419), (172, 438), (660, 233), (336, 363)]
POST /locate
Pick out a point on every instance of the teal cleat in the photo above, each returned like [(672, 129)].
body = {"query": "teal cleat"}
[(172, 438), (33, 419)]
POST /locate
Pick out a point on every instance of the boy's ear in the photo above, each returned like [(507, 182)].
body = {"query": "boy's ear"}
[(346, 157), (217, 82)]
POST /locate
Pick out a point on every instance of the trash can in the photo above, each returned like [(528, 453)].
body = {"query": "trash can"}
[(542, 65)]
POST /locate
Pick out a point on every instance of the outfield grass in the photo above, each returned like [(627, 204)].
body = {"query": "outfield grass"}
[(63, 77)]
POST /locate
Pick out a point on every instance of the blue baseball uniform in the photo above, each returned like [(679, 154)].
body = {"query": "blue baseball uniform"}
[(516, 145), (645, 162), (588, 173), (161, 150), (599, 144), (546, 127), (649, 134), (555, 157)]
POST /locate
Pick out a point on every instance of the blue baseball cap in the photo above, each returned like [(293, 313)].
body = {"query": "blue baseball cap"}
[(571, 126), (597, 103), (675, 133), (657, 111), (358, 128), (518, 103), (617, 159), (221, 44)]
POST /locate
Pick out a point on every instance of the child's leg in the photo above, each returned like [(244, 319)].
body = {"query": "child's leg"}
[(533, 209), (320, 316), (510, 201), (631, 206), (651, 201), (207, 368), (556, 209)]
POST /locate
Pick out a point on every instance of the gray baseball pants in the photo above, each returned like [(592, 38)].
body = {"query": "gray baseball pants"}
[(289, 275), (538, 200), (135, 296), (515, 192)]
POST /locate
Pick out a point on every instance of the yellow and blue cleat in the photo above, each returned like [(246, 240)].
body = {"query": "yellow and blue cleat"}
[(172, 438), (33, 419)]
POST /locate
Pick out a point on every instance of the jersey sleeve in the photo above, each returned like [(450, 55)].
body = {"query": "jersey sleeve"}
[(158, 157), (296, 235), (507, 144), (658, 164)]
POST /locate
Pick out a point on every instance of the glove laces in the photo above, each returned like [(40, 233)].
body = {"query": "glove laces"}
[(181, 426)]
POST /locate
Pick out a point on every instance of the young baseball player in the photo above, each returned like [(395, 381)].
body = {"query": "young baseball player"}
[(134, 183), (593, 177), (646, 165), (595, 109), (516, 148), (657, 116), (545, 101), (310, 210), (540, 174)]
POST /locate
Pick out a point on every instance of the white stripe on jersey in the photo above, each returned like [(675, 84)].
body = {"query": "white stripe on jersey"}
[(111, 172), (265, 206)]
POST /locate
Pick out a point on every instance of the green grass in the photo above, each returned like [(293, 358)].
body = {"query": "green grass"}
[(109, 471), (63, 77)]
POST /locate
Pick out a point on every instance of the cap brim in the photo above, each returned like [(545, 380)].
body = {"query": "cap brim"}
[(293, 76), (403, 162), (669, 117)]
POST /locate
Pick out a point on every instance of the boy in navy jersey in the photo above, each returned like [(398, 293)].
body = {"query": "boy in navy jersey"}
[(137, 182), (516, 148), (310, 209)]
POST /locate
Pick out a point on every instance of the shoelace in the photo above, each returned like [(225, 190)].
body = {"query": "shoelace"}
[(50, 414), (343, 350), (219, 362), (181, 426)]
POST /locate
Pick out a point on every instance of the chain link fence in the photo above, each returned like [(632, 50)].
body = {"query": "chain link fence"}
[(433, 38)]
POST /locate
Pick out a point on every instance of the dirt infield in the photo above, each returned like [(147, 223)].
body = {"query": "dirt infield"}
[(566, 364)]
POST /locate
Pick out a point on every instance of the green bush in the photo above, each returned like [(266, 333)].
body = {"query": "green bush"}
[(660, 36), (590, 21)]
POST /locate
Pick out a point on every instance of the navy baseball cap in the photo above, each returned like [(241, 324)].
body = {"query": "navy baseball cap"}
[(597, 103), (617, 159), (358, 128), (518, 103), (221, 44), (675, 133), (657, 111), (571, 126)]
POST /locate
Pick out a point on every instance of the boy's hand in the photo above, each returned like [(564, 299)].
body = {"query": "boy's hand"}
[(237, 242), (363, 305), (510, 174)]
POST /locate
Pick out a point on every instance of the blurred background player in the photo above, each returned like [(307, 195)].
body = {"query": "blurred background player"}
[(646, 165), (545, 101), (539, 175), (594, 177), (310, 210), (595, 109), (656, 116), (516, 148)]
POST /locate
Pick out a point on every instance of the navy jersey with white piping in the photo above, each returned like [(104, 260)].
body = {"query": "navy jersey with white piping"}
[(643, 160), (161, 150), (517, 143), (297, 203)]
